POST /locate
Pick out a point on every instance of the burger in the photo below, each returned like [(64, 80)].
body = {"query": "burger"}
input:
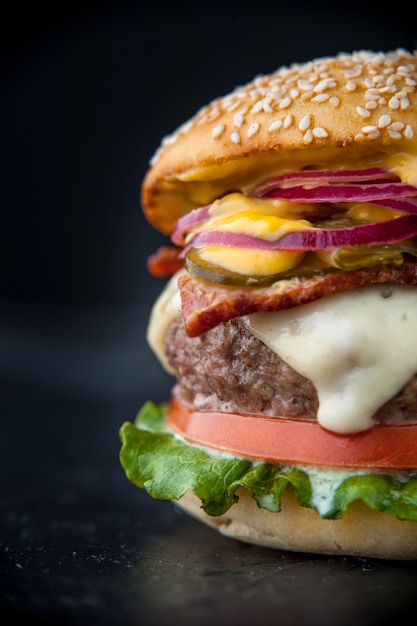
[(288, 314)]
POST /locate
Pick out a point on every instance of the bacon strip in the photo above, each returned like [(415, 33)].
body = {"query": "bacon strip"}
[(206, 305), (165, 262)]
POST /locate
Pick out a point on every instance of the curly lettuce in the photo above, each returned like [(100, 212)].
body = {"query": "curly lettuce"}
[(167, 467)]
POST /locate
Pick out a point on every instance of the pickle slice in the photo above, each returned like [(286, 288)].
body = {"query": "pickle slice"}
[(211, 273)]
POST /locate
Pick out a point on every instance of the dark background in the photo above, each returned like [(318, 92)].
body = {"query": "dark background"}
[(87, 90)]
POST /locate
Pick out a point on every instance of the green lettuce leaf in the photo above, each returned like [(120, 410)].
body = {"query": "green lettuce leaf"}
[(167, 467)]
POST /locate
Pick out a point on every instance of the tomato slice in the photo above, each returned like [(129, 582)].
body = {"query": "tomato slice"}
[(282, 440)]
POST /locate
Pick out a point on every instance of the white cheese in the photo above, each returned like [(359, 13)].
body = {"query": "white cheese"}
[(358, 348), (165, 310)]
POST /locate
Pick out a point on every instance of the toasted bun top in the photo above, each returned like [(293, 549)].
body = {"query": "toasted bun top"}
[(347, 108)]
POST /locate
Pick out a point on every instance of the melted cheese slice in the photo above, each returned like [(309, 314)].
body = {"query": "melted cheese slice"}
[(358, 348)]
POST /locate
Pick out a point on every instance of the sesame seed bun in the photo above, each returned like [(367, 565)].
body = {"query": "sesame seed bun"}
[(330, 110), (349, 111), (361, 531)]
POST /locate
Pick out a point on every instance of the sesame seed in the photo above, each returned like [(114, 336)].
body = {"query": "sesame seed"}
[(217, 131), (321, 97), (168, 140), (257, 107), (214, 113), (384, 121), (238, 120), (394, 134), (371, 105), (334, 101), (397, 126), (370, 129), (275, 125), (288, 120), (235, 137), (408, 132), (372, 94), (203, 120), (391, 79), (308, 136), (304, 123), (267, 107), (324, 84), (184, 128), (363, 112), (388, 89), (304, 85), (350, 85), (285, 103), (253, 129), (353, 73), (320, 132), (394, 103), (404, 103), (232, 107)]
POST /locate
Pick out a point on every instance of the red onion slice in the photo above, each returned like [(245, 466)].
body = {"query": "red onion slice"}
[(315, 238), (187, 222), (370, 174), (406, 205), (343, 193), (373, 184)]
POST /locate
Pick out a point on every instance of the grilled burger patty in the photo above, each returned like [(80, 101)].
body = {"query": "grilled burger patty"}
[(229, 369)]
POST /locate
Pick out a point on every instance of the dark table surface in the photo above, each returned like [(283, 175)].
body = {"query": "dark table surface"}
[(80, 545)]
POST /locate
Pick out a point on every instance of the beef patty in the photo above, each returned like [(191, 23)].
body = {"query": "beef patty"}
[(229, 369)]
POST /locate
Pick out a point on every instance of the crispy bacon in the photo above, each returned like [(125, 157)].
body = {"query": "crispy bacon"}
[(164, 262), (205, 305)]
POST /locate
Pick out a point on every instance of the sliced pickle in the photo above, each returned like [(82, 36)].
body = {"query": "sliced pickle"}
[(313, 264), (357, 257), (208, 272)]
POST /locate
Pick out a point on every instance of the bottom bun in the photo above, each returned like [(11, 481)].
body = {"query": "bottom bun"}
[(361, 531)]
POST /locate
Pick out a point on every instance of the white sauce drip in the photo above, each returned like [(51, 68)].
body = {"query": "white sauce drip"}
[(358, 348)]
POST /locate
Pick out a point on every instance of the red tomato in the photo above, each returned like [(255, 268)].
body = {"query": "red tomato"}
[(295, 441)]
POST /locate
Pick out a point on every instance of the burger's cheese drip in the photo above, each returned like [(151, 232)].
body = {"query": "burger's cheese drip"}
[(358, 348)]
